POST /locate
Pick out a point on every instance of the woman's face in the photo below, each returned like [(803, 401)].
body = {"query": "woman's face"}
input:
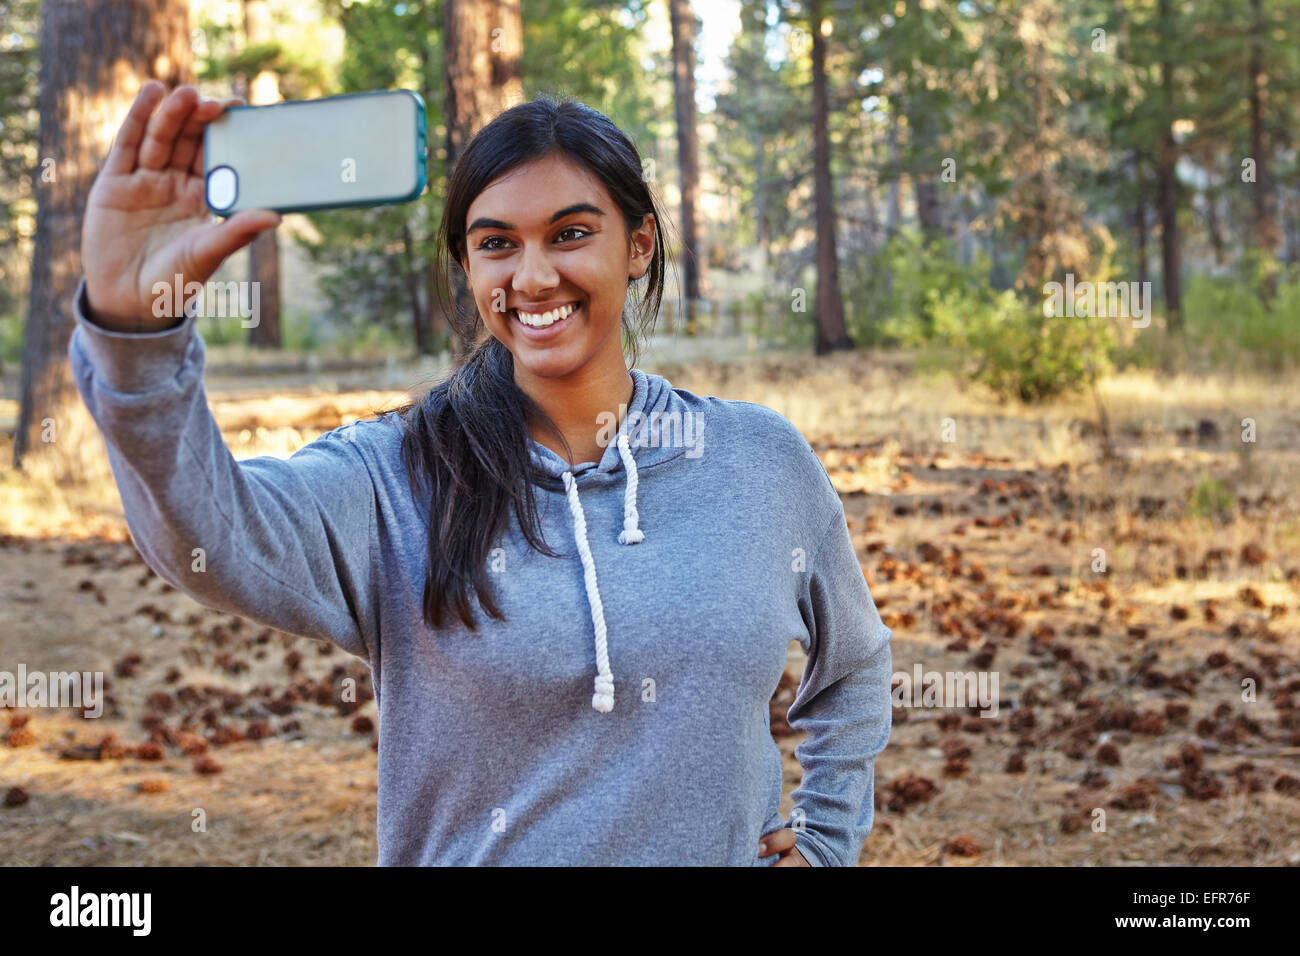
[(548, 236)]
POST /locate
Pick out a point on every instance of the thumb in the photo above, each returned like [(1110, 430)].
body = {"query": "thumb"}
[(216, 244)]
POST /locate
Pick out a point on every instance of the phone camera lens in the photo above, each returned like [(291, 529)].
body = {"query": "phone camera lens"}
[(223, 187)]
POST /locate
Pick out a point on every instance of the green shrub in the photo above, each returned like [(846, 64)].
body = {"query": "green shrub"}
[(1019, 352), (1005, 340), (1226, 316), (901, 312), (1210, 499)]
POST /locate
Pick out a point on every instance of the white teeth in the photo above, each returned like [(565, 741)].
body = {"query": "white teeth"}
[(546, 318)]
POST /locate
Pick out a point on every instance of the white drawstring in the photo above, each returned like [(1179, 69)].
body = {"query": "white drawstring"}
[(603, 698), (630, 534)]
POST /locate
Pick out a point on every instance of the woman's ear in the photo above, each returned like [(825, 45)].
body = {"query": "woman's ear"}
[(643, 247)]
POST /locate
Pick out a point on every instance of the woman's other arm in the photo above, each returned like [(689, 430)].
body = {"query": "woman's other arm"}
[(843, 703)]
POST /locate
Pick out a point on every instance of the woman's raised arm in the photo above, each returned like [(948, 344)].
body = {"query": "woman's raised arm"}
[(287, 543)]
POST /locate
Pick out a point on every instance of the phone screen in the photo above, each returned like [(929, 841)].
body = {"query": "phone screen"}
[(358, 149)]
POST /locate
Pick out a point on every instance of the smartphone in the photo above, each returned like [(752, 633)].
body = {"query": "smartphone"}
[(357, 149)]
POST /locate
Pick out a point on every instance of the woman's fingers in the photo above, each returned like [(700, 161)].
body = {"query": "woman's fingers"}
[(217, 243), (792, 857), (122, 157), (196, 167), (778, 841), (191, 138), (164, 128)]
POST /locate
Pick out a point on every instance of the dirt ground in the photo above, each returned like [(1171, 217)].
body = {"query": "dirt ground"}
[(1123, 734)]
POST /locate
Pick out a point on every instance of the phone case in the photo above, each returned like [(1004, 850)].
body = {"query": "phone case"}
[(356, 149)]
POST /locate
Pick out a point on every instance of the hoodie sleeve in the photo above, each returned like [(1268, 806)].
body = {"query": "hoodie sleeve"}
[(286, 543), (843, 703)]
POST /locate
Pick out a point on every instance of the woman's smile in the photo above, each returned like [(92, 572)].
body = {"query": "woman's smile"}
[(543, 325)]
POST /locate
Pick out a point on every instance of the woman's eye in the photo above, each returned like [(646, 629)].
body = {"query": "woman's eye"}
[(583, 233)]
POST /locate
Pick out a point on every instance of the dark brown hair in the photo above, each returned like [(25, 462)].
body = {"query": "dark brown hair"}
[(466, 440)]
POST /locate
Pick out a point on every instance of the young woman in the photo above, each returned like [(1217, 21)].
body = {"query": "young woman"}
[(575, 585)]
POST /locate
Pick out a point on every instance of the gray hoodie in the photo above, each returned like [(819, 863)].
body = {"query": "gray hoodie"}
[(620, 713)]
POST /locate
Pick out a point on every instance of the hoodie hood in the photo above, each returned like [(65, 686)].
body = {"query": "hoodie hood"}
[(656, 427)]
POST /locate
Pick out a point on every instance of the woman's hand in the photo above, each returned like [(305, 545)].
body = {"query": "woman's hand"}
[(146, 219), (782, 841)]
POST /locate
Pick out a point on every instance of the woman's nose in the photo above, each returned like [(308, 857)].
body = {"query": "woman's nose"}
[(535, 272)]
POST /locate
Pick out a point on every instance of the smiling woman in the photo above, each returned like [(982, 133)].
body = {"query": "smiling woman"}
[(602, 704), (552, 222)]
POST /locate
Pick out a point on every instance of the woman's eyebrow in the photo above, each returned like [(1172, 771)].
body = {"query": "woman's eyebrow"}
[(482, 222)]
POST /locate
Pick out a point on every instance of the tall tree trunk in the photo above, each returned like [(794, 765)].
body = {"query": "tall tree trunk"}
[(1140, 202), (894, 209), (95, 55), (760, 200), (1213, 225), (264, 251), (419, 314), (682, 22), (1292, 220), (482, 79), (831, 331), (925, 178), (928, 210), (1267, 237), (894, 203), (434, 321), (1167, 189)]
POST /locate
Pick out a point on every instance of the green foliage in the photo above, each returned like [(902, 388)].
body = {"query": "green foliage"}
[(1019, 351), (297, 331), (11, 337), (1009, 344), (297, 56), (892, 299), (1211, 500), (364, 251), (222, 330), (19, 125), (1227, 316), (796, 329)]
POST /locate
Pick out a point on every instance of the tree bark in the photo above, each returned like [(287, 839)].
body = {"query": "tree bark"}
[(482, 73), (925, 180), (434, 321), (832, 334), (1267, 236), (264, 251), (1140, 203), (682, 22), (1167, 189), (1213, 224), (894, 208), (419, 314), (95, 55)]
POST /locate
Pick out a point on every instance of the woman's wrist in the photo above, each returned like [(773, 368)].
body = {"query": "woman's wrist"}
[(116, 323)]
